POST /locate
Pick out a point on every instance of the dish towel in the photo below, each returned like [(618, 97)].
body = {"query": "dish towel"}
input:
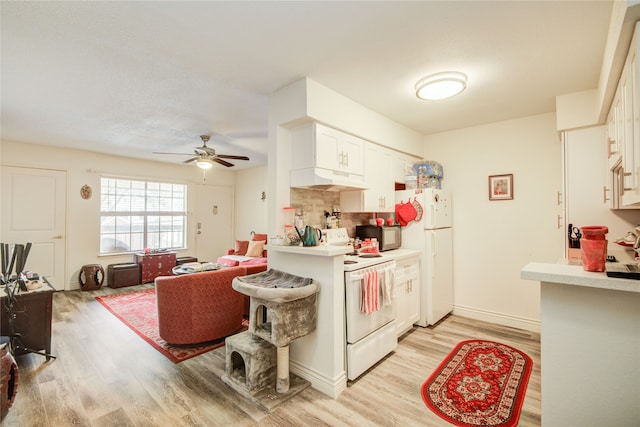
[(369, 292), (388, 294)]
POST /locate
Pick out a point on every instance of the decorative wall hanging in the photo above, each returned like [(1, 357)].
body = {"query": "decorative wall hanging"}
[(501, 187), (85, 192)]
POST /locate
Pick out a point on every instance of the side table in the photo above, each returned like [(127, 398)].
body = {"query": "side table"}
[(33, 311), (155, 264)]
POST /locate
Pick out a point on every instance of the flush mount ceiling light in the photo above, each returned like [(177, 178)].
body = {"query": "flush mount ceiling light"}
[(441, 85), (204, 163)]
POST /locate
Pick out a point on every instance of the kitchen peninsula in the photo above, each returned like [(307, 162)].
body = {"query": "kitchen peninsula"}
[(590, 346), (319, 357)]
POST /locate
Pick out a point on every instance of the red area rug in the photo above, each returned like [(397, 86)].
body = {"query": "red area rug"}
[(138, 311), (480, 383)]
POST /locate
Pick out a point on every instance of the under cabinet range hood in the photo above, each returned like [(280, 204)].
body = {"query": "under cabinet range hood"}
[(324, 179)]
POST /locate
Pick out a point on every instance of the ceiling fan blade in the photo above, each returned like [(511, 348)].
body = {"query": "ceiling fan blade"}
[(191, 160), (222, 162), (179, 154), (225, 156)]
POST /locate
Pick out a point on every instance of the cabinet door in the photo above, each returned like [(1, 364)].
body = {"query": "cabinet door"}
[(327, 147), (612, 128), (413, 292), (407, 292), (402, 321), (378, 177), (351, 154)]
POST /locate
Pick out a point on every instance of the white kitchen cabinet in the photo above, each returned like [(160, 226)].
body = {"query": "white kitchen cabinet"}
[(378, 176), (402, 165), (314, 145), (622, 188), (407, 293), (631, 154)]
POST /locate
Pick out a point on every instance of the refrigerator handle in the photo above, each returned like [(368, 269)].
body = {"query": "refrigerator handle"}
[(434, 245), (432, 216), (434, 252)]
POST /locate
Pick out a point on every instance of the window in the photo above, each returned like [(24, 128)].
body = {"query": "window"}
[(140, 214)]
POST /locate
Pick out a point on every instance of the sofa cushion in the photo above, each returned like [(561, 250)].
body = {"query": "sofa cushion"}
[(241, 247), (255, 248), (258, 237)]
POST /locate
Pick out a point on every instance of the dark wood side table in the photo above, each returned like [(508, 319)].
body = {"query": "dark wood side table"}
[(33, 318)]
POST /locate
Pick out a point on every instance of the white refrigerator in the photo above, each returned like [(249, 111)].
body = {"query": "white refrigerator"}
[(431, 233)]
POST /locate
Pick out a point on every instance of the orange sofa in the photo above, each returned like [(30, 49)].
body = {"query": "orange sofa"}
[(199, 307)]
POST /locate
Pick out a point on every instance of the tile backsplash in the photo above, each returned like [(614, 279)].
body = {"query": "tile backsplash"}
[(314, 203)]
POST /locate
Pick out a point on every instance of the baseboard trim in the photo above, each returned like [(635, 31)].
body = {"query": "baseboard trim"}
[(330, 387), (499, 318)]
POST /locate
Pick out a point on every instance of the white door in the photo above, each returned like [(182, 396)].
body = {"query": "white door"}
[(214, 222), (33, 210)]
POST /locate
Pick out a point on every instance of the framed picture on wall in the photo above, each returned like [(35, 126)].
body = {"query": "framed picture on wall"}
[(501, 187)]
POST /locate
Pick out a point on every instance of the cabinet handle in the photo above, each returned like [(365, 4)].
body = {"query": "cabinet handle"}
[(558, 198), (58, 236), (609, 150), (559, 221), (346, 159), (622, 187), (604, 194)]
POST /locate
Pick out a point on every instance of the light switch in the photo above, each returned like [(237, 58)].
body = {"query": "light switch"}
[(215, 209)]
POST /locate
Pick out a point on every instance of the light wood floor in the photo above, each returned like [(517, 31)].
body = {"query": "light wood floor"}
[(106, 375)]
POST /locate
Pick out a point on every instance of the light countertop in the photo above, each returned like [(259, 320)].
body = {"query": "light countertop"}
[(571, 274), (322, 250), (330, 250)]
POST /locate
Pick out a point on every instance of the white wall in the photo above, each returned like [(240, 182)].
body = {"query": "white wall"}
[(83, 216), (250, 208), (493, 240)]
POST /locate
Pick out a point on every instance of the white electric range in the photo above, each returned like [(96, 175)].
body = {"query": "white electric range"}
[(372, 335), (352, 261)]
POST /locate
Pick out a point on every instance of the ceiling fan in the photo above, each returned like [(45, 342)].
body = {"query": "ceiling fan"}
[(206, 156)]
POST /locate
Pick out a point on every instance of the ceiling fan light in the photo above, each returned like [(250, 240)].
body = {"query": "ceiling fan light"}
[(441, 85), (204, 163)]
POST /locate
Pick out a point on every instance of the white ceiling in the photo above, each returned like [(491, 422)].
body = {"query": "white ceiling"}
[(130, 78)]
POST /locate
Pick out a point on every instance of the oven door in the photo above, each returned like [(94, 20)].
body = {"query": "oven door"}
[(360, 324)]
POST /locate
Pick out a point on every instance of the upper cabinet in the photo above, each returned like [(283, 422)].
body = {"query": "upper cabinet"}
[(378, 175), (317, 146), (622, 190)]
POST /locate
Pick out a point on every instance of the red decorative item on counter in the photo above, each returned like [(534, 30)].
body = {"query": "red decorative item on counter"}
[(594, 247)]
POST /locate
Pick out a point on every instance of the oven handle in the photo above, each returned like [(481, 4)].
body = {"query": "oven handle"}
[(357, 275)]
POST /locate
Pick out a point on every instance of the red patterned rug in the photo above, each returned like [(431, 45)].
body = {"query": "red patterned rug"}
[(138, 311), (480, 383)]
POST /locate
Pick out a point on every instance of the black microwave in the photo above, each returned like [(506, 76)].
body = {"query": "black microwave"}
[(389, 236)]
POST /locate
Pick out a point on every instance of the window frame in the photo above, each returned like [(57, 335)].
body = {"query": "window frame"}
[(146, 213)]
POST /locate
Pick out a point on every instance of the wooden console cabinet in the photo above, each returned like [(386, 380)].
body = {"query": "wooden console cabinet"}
[(154, 265), (33, 318)]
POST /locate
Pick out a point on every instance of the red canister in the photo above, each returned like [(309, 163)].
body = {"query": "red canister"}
[(594, 247)]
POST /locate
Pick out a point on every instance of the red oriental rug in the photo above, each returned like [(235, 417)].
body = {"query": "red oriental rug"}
[(480, 383), (138, 311)]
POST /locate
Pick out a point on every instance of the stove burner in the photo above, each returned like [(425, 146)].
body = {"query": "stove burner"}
[(348, 261)]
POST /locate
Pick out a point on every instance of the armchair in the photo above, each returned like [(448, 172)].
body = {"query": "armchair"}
[(199, 307)]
